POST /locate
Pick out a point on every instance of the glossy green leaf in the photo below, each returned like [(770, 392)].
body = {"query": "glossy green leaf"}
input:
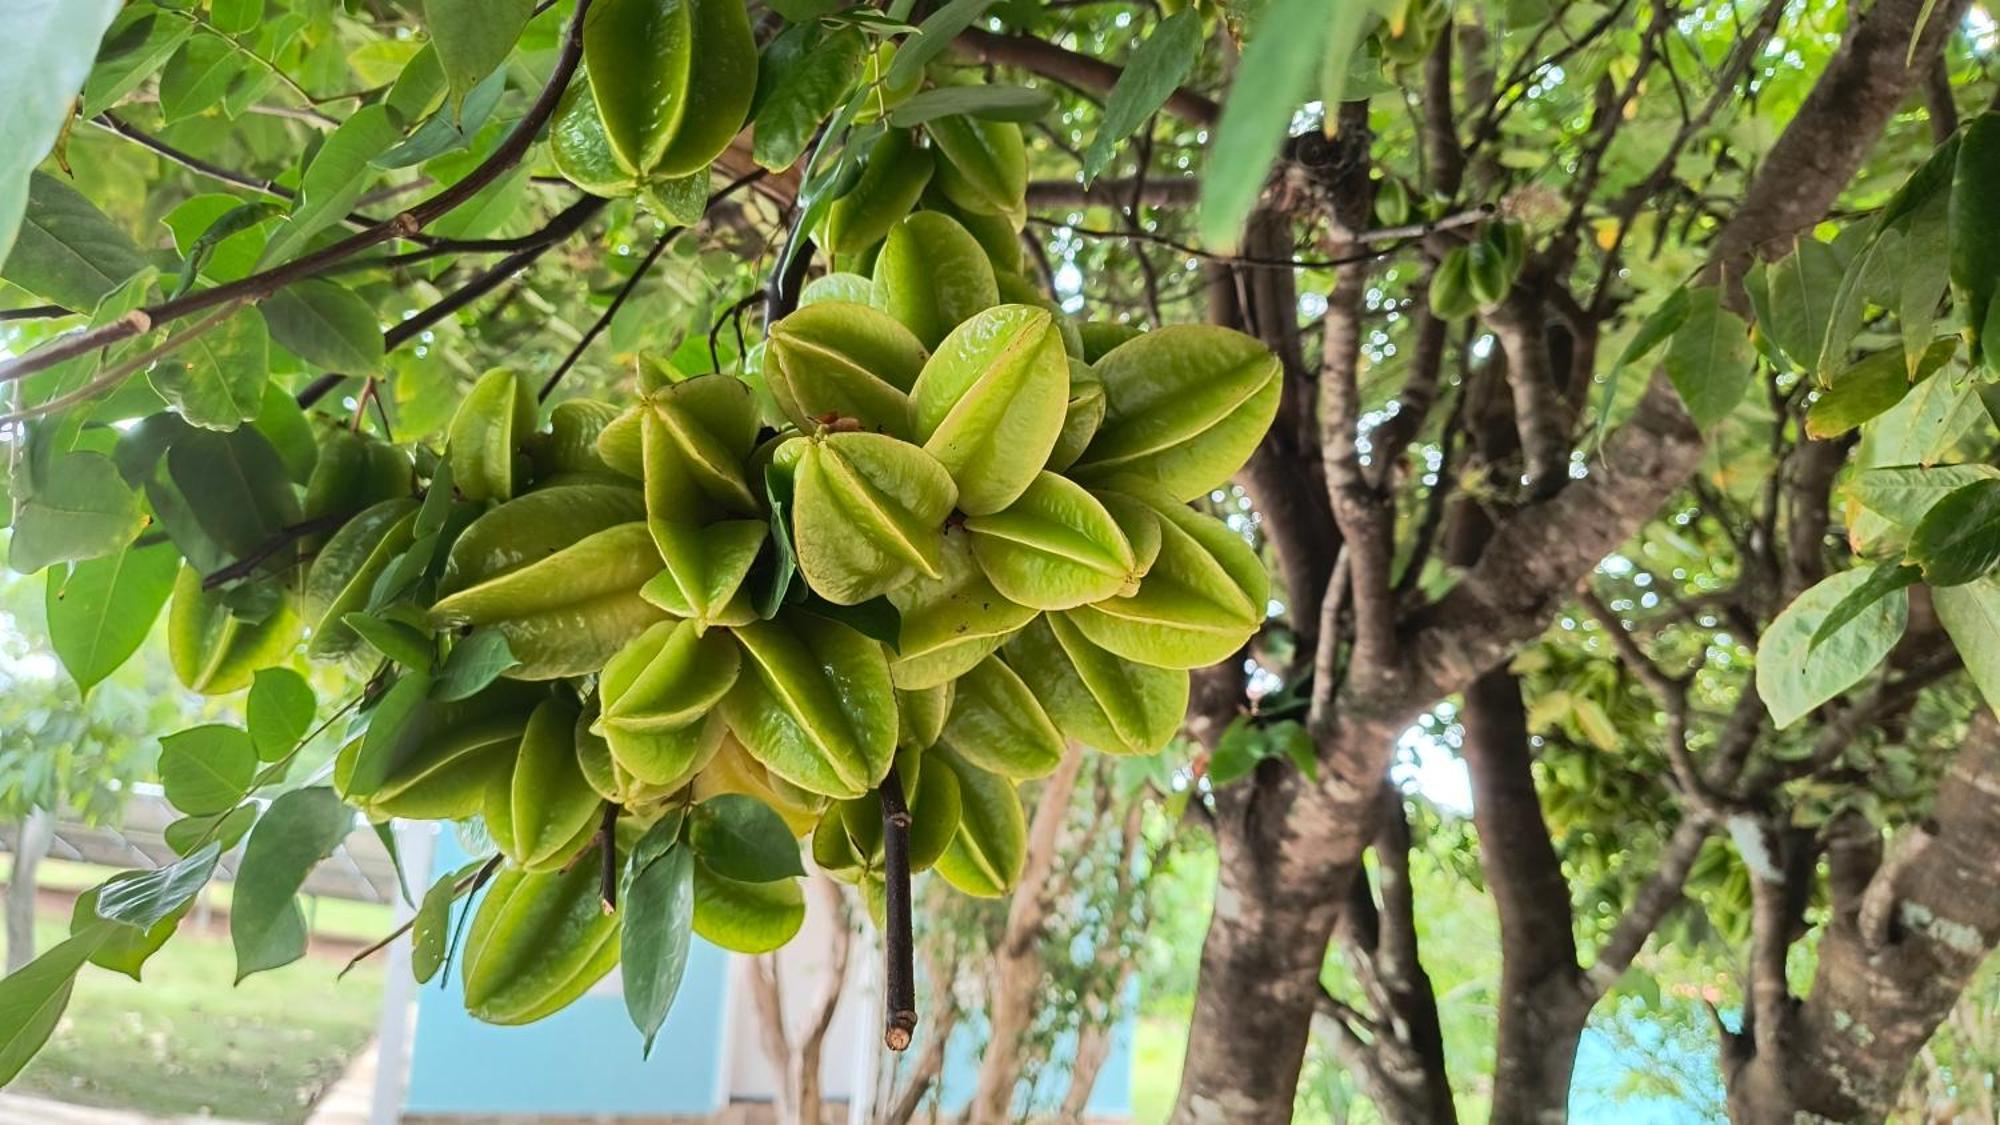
[(1970, 615), (656, 914), (32, 1000), (100, 612), (991, 102), (1958, 539), (266, 925), (740, 837), (746, 917), (66, 251), (81, 509), (125, 949), (217, 379), (476, 660), (804, 75), (207, 769), (142, 901), (334, 180)]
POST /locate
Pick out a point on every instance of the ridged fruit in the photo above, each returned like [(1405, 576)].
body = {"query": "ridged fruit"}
[(990, 404)]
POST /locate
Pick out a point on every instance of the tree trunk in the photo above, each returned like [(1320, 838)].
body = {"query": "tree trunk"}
[(1892, 966), (795, 1058), (36, 832), (1016, 977)]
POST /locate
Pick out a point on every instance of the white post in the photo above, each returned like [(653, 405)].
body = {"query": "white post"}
[(415, 843)]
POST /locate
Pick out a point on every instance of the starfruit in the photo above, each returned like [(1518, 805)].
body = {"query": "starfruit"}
[(847, 843), (1201, 600), (486, 435), (542, 810), (567, 453), (893, 178), (344, 573), (1103, 701), (851, 288), (660, 698), (672, 80), (813, 703), (689, 441), (746, 917), (990, 404), (868, 512), (538, 941), (431, 760), (733, 770), (582, 150), (558, 573), (985, 165), (610, 780), (932, 275), (837, 360), (996, 234), (920, 715), (1101, 336), (996, 724), (1082, 415), (352, 473), (1185, 406), (215, 651), (1055, 547), (1018, 290), (987, 852), (950, 623)]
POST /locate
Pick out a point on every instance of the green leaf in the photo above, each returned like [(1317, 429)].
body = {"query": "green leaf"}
[(993, 102), (279, 711), (1272, 78), (66, 251), (431, 927), (141, 901), (1236, 753), (803, 76), (381, 749), (473, 37), (743, 838), (1884, 580), (396, 640), (657, 918), (50, 47), (1904, 495), (1870, 388), (1350, 24), (100, 613), (191, 832), (139, 42), (282, 423), (125, 949), (1975, 228), (1803, 286), (1155, 70), (217, 379), (476, 660), (235, 16), (932, 36), (1958, 540), (339, 172), (449, 130), (198, 77), (1795, 675), (207, 769), (1709, 358), (236, 485), (746, 917), (325, 325), (265, 923), (1970, 615), (32, 1000), (79, 508)]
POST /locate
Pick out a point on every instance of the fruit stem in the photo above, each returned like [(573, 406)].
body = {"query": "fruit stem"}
[(899, 975)]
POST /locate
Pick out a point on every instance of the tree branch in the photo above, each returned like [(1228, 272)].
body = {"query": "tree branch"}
[(1038, 56)]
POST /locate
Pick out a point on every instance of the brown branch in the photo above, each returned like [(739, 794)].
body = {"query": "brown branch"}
[(1041, 57), (1173, 192), (899, 989)]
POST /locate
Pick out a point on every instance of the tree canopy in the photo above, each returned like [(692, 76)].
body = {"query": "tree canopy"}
[(691, 442)]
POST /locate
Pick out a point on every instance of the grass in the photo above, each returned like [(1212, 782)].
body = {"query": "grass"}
[(188, 1042), (338, 918), (1157, 1046)]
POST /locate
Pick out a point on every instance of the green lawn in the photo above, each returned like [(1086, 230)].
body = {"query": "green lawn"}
[(188, 1042), (330, 917), (1157, 1046)]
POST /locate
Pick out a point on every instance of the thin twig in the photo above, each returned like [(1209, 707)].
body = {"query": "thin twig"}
[(121, 371), (291, 533), (604, 319)]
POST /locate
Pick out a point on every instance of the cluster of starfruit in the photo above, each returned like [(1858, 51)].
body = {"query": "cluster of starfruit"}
[(941, 532)]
